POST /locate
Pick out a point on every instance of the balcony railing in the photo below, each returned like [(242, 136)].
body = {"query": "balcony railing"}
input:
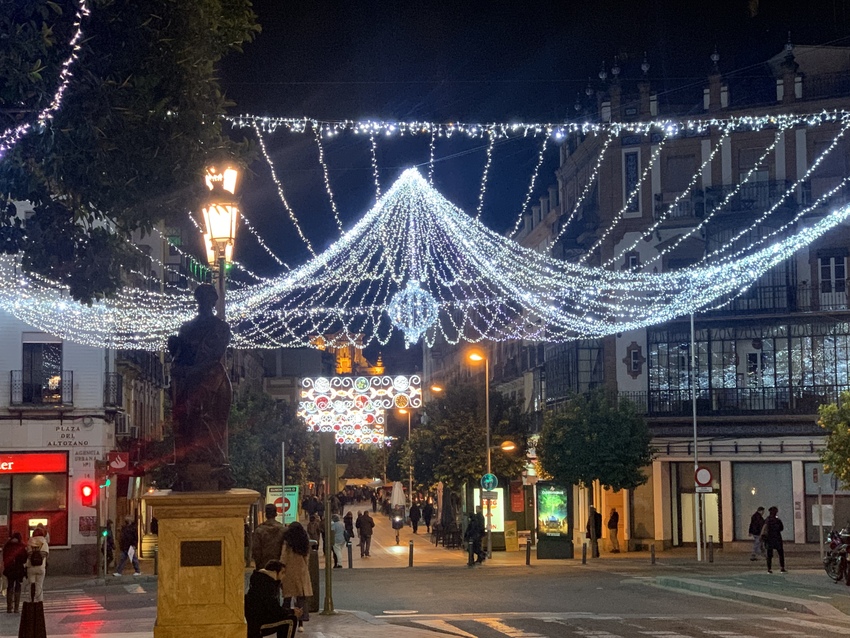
[(736, 401), (34, 389), (113, 390), (783, 299)]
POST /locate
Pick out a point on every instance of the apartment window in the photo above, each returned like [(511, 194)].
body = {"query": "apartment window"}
[(42, 373), (631, 181), (678, 172)]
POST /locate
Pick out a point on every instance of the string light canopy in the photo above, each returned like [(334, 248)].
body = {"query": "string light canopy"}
[(418, 264)]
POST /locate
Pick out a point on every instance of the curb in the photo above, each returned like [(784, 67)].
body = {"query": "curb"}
[(799, 605)]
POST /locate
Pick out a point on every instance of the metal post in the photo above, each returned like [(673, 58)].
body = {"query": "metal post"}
[(697, 517), (820, 518), (584, 553), (489, 464), (219, 305), (410, 555), (409, 467), (528, 551), (652, 554), (350, 560), (283, 482), (710, 548)]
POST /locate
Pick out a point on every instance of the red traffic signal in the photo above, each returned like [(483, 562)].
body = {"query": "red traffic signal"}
[(87, 495)]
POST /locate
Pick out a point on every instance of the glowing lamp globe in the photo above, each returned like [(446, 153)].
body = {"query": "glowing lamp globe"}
[(221, 212)]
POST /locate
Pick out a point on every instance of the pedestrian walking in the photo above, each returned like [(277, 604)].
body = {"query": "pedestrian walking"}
[(756, 526), (473, 535), (613, 530), (37, 551), (296, 583), (374, 499), (267, 539), (366, 527), (128, 541), (772, 533), (263, 612), (14, 569), (338, 537), (348, 521), (594, 531), (315, 530), (427, 515), (415, 515)]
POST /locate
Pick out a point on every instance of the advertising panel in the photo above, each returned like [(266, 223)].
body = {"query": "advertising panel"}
[(552, 510), (497, 509)]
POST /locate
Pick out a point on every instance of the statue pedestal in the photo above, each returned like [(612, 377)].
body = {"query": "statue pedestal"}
[(201, 563)]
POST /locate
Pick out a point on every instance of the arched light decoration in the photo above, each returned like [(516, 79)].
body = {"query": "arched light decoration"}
[(354, 408), (413, 311), (221, 212)]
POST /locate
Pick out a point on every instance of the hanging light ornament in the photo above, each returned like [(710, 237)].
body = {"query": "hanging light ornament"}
[(413, 311)]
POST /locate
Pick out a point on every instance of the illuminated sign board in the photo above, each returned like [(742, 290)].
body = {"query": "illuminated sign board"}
[(33, 463), (497, 508), (354, 408), (552, 510)]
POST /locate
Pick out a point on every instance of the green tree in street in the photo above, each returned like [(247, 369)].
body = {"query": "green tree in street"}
[(451, 445), (596, 438), (258, 424), (140, 120), (362, 462), (835, 419)]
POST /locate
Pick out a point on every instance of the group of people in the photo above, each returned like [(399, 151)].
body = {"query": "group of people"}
[(25, 561), (767, 534), (280, 554), (593, 531)]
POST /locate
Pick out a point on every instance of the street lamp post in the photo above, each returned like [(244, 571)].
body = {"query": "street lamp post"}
[(479, 356), (409, 467), (221, 216)]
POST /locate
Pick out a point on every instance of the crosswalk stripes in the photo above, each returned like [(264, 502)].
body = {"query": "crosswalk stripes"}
[(444, 627), (70, 600), (508, 630)]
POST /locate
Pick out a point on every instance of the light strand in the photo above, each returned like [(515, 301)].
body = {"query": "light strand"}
[(531, 185), (484, 174), (373, 149), (318, 136)]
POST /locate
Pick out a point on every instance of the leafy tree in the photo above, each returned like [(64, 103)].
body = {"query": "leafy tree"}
[(596, 438), (362, 462), (835, 419), (451, 446), (140, 119), (257, 427)]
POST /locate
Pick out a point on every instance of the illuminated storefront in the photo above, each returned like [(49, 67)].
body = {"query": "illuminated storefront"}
[(33, 490)]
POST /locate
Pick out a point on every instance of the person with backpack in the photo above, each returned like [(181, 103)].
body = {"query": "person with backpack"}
[(14, 569), (129, 543), (37, 551)]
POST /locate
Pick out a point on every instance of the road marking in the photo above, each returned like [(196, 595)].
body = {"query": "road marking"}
[(445, 627), (498, 625), (400, 612), (74, 600), (821, 597), (134, 589), (808, 624)]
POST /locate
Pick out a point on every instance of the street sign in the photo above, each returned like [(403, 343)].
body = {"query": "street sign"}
[(702, 477), (489, 482), (490, 495), (703, 489)]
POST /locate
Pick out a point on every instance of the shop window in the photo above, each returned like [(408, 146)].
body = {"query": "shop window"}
[(764, 485)]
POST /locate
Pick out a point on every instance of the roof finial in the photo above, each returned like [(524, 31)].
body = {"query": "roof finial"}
[(715, 59), (644, 66), (615, 70), (603, 74)]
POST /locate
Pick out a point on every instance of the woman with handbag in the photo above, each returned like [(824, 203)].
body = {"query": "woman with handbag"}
[(296, 580)]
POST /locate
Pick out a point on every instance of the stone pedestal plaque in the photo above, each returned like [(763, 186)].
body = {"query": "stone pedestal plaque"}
[(201, 563)]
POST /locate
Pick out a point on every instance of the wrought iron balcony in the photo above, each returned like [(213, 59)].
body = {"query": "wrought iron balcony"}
[(113, 390), (736, 401), (40, 388), (785, 299)]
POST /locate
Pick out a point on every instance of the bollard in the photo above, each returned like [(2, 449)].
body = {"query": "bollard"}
[(350, 560), (313, 565), (652, 554), (156, 559), (528, 551), (410, 555), (584, 553), (471, 562), (711, 549)]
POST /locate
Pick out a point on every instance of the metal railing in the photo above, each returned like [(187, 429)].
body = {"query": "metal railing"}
[(41, 388), (113, 390), (792, 298), (736, 401)]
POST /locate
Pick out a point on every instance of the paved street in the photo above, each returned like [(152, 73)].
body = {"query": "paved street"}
[(621, 595)]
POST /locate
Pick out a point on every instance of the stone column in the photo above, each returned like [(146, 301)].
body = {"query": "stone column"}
[(201, 563)]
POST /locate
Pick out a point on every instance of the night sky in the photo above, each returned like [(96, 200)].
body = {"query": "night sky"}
[(471, 61)]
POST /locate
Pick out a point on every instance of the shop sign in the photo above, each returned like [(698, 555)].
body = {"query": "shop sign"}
[(517, 497), (33, 463)]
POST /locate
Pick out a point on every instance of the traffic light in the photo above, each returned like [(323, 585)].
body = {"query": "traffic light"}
[(88, 494)]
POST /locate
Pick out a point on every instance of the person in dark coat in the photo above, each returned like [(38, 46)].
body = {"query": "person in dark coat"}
[(263, 612), (374, 499), (14, 569), (473, 535), (267, 539), (415, 514), (756, 525), (613, 530), (427, 515), (594, 530), (348, 521), (129, 541), (366, 527), (773, 538)]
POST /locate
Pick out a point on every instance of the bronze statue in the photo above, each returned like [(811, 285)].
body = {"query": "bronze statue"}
[(200, 399)]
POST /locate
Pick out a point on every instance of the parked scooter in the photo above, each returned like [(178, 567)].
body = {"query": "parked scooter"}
[(835, 561)]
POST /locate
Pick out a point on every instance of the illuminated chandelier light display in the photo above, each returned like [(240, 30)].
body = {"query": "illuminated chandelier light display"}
[(354, 408), (418, 264)]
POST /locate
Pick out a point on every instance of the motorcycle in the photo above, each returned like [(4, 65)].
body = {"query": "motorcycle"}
[(835, 561)]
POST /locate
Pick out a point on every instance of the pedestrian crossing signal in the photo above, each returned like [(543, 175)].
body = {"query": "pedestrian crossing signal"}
[(87, 495)]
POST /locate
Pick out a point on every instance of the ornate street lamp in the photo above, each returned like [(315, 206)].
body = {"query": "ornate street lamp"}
[(477, 356), (221, 217)]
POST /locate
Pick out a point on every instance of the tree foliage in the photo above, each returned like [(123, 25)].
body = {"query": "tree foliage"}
[(596, 438), (258, 425), (451, 445), (361, 462), (835, 419), (140, 120)]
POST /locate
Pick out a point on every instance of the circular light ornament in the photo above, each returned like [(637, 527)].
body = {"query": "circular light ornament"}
[(361, 384), (401, 401), (401, 383), (413, 310), (322, 384)]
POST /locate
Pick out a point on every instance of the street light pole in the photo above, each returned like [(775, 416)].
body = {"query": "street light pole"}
[(489, 452), (409, 467)]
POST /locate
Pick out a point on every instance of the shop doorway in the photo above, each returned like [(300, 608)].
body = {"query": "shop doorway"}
[(685, 500)]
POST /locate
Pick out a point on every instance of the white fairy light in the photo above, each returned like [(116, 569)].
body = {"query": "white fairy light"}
[(373, 149), (431, 158), (530, 191), (491, 140), (324, 165)]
